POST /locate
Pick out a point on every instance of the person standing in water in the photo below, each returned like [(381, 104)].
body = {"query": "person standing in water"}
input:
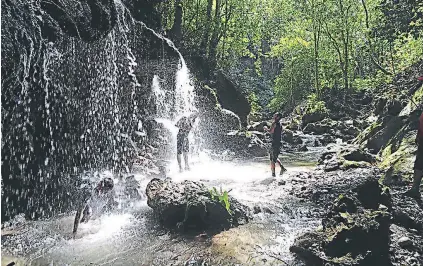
[(276, 133), (185, 125), (418, 163)]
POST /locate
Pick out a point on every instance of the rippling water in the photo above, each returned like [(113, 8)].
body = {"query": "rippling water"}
[(133, 237)]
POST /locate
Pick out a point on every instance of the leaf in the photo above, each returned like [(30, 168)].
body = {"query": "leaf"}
[(344, 215)]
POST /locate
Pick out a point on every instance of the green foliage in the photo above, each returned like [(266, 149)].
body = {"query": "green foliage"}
[(253, 100), (370, 83), (222, 197), (343, 44), (408, 50), (314, 105)]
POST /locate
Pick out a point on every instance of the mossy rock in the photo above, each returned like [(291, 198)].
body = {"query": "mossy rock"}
[(411, 107), (398, 155), (354, 164), (367, 133), (354, 239), (192, 205)]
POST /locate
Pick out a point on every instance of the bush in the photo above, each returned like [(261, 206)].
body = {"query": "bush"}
[(255, 106), (314, 105), (222, 197)]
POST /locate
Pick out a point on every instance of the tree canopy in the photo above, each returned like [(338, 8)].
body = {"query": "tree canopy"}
[(315, 44)]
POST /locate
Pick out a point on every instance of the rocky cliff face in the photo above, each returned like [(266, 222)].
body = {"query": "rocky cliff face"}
[(392, 136), (76, 84)]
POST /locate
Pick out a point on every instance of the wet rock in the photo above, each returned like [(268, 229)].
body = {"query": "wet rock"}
[(191, 205), (257, 126), (387, 128), (317, 128), (242, 144), (303, 148), (196, 261), (327, 139), (307, 248), (349, 132), (358, 155), (405, 242), (331, 165), (263, 209), (316, 143), (394, 107), (379, 105), (231, 96), (407, 213), (297, 140), (282, 183), (288, 136), (312, 117), (371, 194), (256, 209), (353, 233)]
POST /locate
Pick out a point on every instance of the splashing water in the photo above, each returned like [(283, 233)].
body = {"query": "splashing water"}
[(98, 79), (184, 90), (168, 112)]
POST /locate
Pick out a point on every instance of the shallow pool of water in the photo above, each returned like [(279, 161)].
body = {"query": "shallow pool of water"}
[(134, 237)]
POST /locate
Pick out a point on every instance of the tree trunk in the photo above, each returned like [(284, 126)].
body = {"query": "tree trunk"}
[(316, 63), (392, 57), (214, 41), (205, 41), (371, 48), (346, 65), (176, 31), (316, 39)]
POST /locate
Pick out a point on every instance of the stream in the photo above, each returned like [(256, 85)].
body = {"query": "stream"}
[(134, 237)]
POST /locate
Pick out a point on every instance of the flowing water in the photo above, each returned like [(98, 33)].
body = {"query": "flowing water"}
[(131, 235), (134, 237)]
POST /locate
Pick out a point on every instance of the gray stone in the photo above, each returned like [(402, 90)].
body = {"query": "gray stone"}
[(405, 242)]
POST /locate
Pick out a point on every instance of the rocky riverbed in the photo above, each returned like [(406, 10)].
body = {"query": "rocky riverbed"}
[(135, 235), (309, 211)]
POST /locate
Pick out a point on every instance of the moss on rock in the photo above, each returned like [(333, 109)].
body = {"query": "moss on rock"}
[(368, 132)]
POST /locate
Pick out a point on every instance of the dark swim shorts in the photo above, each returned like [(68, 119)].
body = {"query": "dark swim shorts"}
[(274, 152), (182, 143), (418, 164)]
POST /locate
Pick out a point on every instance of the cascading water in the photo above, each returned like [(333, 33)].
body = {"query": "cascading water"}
[(72, 105), (184, 90), (183, 104)]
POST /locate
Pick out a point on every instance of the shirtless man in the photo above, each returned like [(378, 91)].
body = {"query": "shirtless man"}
[(185, 125)]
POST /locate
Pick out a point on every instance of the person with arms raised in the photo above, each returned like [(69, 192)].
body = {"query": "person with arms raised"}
[(185, 125)]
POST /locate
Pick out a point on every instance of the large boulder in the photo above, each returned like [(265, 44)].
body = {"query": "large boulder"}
[(231, 97), (192, 205), (346, 158), (312, 118), (243, 144), (355, 230), (358, 155), (388, 128), (317, 128), (258, 126)]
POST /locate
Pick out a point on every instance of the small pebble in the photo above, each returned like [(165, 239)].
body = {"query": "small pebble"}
[(282, 183)]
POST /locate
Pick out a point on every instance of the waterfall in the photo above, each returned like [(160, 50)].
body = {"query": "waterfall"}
[(74, 97), (184, 90), (168, 111)]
